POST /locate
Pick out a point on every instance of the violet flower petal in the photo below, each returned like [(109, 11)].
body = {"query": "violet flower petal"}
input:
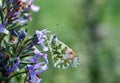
[(3, 30), (41, 35), (38, 53)]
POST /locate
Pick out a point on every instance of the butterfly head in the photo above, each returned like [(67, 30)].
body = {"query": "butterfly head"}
[(54, 38)]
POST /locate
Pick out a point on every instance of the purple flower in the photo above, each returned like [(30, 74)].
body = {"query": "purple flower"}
[(3, 30), (31, 6), (33, 74), (40, 67), (14, 33), (37, 55), (21, 35), (41, 36), (36, 69), (33, 77), (13, 13), (14, 66), (43, 55), (21, 21)]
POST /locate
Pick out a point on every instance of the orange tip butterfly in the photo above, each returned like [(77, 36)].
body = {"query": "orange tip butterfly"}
[(62, 56)]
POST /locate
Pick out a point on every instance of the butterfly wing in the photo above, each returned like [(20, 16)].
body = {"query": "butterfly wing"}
[(62, 55)]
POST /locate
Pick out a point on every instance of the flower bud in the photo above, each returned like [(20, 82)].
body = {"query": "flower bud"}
[(22, 35)]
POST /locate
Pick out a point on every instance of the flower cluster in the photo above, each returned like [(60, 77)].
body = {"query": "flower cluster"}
[(21, 54), (15, 12), (18, 51)]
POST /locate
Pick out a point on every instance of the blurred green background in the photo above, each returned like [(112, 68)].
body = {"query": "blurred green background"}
[(91, 28)]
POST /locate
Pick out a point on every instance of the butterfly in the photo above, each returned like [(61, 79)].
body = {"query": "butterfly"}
[(62, 56)]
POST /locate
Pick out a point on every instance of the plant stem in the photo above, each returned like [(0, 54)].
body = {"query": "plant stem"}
[(27, 63), (26, 78), (1, 38), (1, 15), (16, 75), (26, 55)]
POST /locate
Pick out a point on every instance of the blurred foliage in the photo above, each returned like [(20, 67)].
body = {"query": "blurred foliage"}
[(91, 28)]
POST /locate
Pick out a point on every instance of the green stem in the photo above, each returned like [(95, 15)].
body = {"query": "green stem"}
[(1, 38), (26, 55), (1, 15), (27, 63), (26, 78), (16, 75)]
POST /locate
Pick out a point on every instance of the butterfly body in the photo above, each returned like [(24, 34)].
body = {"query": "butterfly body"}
[(62, 55)]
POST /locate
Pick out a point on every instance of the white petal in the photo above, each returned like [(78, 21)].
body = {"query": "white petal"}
[(35, 8)]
